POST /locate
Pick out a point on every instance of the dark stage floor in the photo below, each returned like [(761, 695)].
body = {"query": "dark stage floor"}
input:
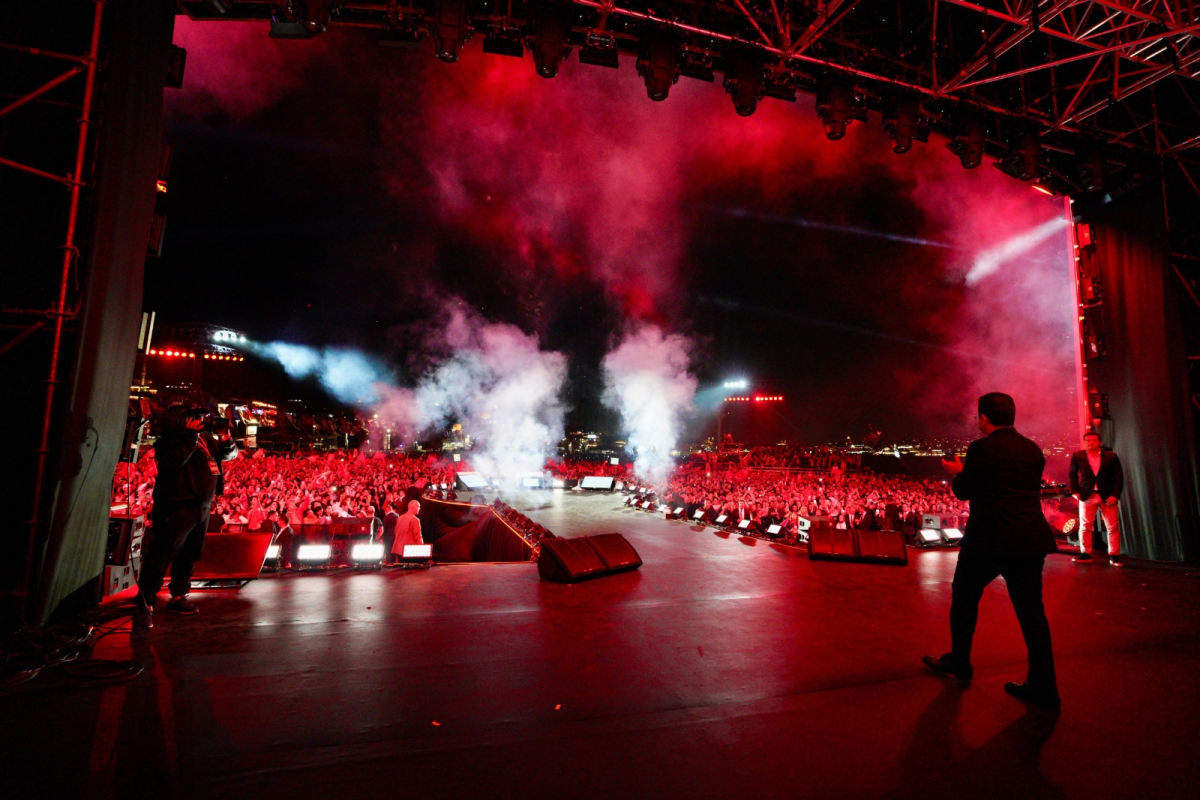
[(723, 668)]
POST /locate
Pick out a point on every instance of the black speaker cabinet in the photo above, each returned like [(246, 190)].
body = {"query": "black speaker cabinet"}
[(571, 560), (834, 544)]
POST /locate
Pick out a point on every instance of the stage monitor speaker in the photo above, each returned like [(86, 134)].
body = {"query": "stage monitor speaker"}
[(931, 521), (571, 560), (836, 544)]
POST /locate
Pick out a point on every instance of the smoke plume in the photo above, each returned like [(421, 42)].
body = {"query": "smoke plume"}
[(647, 381)]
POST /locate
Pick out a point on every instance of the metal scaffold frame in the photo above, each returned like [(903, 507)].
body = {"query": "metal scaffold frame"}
[(62, 310)]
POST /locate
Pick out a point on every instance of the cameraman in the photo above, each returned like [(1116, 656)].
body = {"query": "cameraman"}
[(191, 446)]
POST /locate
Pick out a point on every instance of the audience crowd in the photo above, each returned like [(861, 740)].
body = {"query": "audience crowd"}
[(846, 500), (265, 492)]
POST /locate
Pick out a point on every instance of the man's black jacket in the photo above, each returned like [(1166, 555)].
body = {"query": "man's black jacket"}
[(1002, 479), (184, 476), (1108, 483)]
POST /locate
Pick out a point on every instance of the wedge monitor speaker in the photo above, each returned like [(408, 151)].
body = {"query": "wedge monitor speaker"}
[(573, 560)]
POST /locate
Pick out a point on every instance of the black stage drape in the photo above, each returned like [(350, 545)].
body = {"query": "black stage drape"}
[(462, 532), (1144, 374), (137, 36)]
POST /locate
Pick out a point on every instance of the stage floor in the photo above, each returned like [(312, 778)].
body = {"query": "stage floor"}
[(725, 667)]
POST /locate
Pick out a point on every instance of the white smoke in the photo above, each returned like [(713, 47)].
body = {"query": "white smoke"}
[(349, 375), (494, 379), (502, 386), (647, 381)]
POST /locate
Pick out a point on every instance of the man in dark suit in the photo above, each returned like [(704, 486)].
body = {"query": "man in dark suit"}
[(1096, 481), (388, 534), (1006, 535)]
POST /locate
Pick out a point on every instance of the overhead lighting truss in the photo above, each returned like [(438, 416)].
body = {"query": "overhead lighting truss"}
[(1122, 73)]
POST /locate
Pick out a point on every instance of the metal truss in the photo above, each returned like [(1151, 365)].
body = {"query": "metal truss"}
[(1114, 80)]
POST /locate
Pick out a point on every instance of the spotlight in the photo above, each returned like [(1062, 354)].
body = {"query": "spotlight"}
[(903, 121), (658, 65), (417, 552), (316, 16), (550, 44), (744, 81), (450, 29), (929, 537), (500, 45), (313, 555), (1091, 166), (366, 554), (969, 140), (837, 106), (600, 50), (1022, 160), (951, 536)]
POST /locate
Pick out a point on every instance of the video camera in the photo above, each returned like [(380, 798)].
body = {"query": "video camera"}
[(176, 418)]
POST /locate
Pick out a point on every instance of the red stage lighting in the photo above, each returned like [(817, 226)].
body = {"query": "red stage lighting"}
[(744, 81), (903, 122), (838, 106), (550, 45), (450, 29), (658, 64), (969, 141)]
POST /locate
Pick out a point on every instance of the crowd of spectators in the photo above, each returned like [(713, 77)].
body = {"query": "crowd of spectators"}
[(818, 457), (574, 469), (265, 491), (845, 500)]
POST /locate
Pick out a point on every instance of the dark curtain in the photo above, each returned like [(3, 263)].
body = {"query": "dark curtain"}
[(461, 532), (137, 36), (1144, 374)]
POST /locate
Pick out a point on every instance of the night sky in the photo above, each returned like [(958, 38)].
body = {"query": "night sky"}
[(333, 192)]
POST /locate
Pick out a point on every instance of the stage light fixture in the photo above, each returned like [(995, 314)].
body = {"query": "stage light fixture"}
[(721, 519), (744, 81), (417, 552), (1091, 166), (271, 559), (903, 121), (1023, 160), (929, 537), (600, 50), (951, 536), (969, 140), (219, 6), (658, 64), (550, 43), (450, 29), (501, 45), (399, 35), (313, 555), (316, 16), (366, 554), (838, 105)]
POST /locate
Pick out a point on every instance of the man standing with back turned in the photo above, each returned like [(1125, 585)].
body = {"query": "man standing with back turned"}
[(1006, 535)]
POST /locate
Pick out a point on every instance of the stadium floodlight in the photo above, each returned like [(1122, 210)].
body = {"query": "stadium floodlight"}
[(314, 555), (366, 554)]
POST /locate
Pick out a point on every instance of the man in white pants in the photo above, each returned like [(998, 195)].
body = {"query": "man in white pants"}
[(1097, 481)]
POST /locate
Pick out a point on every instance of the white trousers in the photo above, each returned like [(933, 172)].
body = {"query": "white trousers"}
[(1088, 510)]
